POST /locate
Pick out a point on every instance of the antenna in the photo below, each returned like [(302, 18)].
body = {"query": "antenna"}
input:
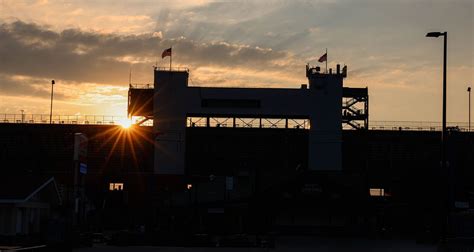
[(130, 77)]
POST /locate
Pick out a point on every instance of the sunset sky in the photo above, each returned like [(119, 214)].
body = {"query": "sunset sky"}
[(89, 47)]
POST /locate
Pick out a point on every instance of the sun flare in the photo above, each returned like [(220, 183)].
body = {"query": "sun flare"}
[(125, 123)]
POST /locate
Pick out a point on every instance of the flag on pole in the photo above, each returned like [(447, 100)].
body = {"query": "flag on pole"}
[(323, 58), (166, 52)]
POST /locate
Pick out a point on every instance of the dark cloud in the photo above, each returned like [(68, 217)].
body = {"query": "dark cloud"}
[(32, 50), (22, 86), (244, 23), (84, 56)]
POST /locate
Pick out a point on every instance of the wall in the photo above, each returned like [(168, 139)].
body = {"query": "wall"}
[(174, 101)]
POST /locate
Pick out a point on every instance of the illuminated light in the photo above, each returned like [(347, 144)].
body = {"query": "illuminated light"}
[(378, 192), (125, 123), (189, 186), (115, 186)]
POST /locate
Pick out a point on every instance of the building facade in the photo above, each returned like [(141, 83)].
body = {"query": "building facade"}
[(315, 106)]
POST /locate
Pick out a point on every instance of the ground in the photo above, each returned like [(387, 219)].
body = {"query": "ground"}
[(284, 244)]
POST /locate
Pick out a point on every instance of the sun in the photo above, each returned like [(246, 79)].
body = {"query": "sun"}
[(125, 123)]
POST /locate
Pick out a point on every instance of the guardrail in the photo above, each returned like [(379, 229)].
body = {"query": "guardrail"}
[(176, 69), (141, 86), (63, 119), (418, 126), (120, 120)]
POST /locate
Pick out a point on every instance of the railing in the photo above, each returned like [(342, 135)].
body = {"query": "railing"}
[(417, 126), (63, 119), (240, 122), (225, 122), (176, 69), (142, 86)]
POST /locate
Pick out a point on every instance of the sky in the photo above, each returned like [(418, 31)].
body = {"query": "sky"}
[(89, 48)]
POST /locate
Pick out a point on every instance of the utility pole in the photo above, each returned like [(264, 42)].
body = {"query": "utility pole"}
[(51, 110)]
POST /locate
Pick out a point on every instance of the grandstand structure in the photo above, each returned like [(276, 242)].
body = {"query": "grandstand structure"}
[(177, 106), (248, 160)]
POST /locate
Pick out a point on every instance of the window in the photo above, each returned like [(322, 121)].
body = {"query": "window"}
[(196, 122), (230, 103), (115, 186), (247, 122), (377, 192)]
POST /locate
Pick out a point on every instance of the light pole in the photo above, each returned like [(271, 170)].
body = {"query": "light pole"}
[(444, 169), (51, 110), (469, 125), (445, 35)]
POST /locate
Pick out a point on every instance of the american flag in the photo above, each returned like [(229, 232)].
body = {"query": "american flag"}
[(166, 52), (323, 58)]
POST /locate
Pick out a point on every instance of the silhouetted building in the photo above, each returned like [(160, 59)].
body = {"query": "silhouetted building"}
[(249, 160), (316, 109)]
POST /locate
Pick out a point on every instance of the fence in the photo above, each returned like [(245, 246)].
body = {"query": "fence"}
[(120, 120), (417, 125), (63, 119)]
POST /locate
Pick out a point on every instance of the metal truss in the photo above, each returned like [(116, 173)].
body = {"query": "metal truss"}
[(355, 108), (247, 122)]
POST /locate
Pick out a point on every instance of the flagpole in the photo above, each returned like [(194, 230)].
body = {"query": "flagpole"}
[(326, 60), (171, 57)]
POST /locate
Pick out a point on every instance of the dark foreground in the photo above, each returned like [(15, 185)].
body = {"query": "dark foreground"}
[(293, 243)]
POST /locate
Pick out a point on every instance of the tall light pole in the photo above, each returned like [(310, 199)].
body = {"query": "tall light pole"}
[(444, 169), (469, 125), (51, 110)]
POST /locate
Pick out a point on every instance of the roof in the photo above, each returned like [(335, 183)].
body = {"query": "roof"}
[(18, 189)]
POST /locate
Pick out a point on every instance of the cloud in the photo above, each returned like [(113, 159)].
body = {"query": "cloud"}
[(84, 56), (25, 86), (124, 17), (84, 93), (21, 92)]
